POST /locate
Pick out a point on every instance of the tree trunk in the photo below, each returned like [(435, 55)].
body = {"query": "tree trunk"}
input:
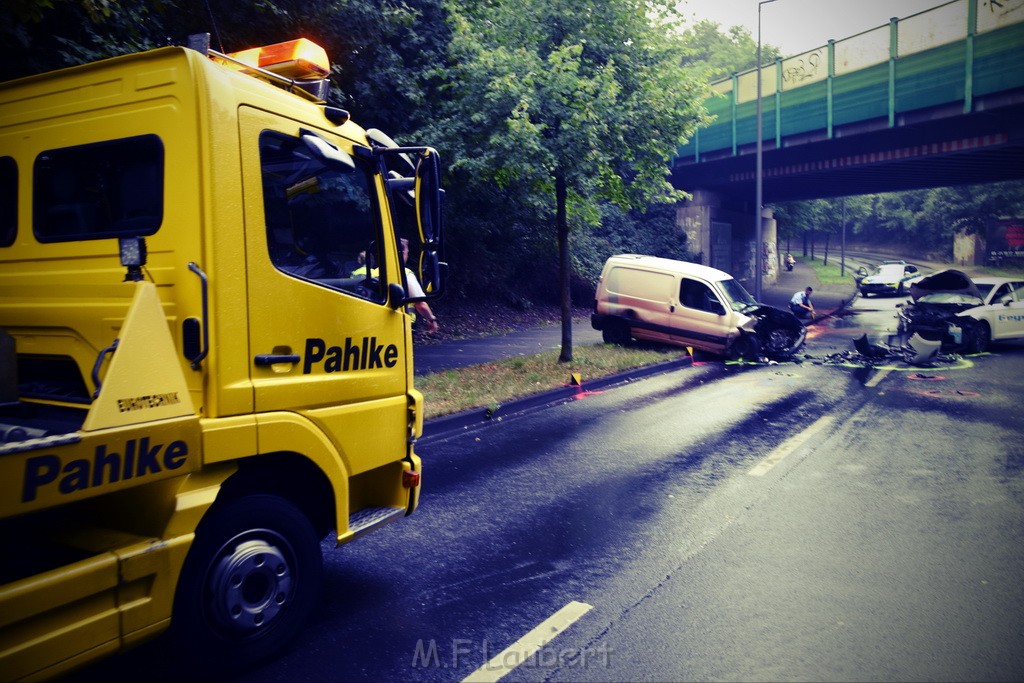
[(562, 223)]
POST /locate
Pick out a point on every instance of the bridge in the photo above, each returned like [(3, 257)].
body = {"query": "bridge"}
[(931, 100)]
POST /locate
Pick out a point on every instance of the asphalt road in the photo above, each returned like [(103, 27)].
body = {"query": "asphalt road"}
[(819, 520)]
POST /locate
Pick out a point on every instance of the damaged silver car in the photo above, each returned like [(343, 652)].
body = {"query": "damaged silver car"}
[(963, 314)]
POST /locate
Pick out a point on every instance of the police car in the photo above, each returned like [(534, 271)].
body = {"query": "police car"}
[(892, 277)]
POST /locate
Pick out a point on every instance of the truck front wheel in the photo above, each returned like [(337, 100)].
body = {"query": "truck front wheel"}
[(251, 580)]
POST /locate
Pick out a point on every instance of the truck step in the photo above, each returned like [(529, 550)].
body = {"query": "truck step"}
[(368, 519)]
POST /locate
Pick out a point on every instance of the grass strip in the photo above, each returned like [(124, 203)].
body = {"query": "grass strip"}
[(489, 385)]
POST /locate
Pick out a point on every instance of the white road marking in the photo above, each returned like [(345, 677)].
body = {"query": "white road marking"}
[(790, 445), (879, 376), (521, 650)]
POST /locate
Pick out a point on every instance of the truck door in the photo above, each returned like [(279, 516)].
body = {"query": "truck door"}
[(318, 260)]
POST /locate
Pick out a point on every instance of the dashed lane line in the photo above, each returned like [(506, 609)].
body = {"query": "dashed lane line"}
[(521, 650), (878, 377), (790, 445)]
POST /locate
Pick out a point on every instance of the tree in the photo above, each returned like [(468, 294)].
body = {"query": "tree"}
[(971, 208), (721, 54), (578, 102), (380, 51)]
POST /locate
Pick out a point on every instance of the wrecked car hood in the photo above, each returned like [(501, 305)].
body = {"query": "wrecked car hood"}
[(947, 281), (780, 333)]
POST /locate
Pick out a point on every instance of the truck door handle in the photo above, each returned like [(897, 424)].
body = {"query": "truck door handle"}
[(264, 359)]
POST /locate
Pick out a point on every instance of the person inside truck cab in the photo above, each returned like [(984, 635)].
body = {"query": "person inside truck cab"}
[(360, 270)]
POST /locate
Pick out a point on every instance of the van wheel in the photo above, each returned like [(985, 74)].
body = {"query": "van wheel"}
[(616, 332), (251, 580), (745, 347)]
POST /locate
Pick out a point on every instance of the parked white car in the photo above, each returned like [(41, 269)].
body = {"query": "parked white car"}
[(962, 313)]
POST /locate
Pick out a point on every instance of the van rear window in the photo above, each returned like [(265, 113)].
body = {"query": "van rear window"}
[(105, 189), (8, 201)]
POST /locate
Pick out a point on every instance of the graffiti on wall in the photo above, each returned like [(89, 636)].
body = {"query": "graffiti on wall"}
[(805, 68)]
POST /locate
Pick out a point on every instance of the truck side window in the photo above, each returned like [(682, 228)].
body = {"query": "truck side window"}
[(8, 201), (321, 222), (105, 189)]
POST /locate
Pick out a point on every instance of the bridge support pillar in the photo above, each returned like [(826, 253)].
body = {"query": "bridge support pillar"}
[(720, 232)]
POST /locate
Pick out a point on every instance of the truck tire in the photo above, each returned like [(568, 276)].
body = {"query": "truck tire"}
[(251, 580)]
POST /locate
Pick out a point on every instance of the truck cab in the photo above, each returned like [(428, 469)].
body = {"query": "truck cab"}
[(205, 348)]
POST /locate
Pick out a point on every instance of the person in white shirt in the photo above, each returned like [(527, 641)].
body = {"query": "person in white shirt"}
[(801, 304)]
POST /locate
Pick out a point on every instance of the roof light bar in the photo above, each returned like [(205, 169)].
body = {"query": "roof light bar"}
[(295, 59)]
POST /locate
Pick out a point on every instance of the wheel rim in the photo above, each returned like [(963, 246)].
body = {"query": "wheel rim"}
[(252, 583), (780, 341)]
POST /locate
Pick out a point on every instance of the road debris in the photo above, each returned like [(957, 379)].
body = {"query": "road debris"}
[(917, 351)]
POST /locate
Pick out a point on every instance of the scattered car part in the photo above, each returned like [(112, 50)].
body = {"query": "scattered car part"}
[(921, 351)]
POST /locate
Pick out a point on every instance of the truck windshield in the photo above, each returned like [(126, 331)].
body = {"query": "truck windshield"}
[(738, 298)]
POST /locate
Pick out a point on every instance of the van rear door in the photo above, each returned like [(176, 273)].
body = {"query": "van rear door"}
[(647, 297)]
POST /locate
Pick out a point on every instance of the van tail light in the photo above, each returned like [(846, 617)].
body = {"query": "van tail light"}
[(410, 479)]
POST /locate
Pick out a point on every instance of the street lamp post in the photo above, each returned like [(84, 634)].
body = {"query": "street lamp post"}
[(758, 261)]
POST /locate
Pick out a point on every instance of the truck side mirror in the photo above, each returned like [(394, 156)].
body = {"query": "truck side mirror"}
[(429, 196)]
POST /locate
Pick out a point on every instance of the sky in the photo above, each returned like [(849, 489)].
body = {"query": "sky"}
[(796, 26)]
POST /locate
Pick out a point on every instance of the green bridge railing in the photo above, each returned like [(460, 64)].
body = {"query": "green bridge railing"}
[(954, 54)]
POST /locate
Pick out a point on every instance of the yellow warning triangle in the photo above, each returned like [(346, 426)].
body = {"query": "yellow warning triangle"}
[(144, 380)]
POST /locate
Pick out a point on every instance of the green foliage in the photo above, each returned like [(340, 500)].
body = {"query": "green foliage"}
[(571, 104), (633, 232), (925, 219), (720, 54)]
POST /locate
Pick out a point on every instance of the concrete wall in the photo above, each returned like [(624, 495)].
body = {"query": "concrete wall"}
[(720, 231), (968, 250)]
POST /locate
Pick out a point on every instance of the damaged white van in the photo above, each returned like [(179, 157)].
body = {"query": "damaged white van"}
[(675, 302)]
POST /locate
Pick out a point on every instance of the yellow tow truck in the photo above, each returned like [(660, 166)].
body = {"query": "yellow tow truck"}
[(205, 348)]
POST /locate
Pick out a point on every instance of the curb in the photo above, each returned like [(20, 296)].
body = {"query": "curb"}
[(447, 425)]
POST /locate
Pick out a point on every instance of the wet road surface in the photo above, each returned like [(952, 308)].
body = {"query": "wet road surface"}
[(813, 520)]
